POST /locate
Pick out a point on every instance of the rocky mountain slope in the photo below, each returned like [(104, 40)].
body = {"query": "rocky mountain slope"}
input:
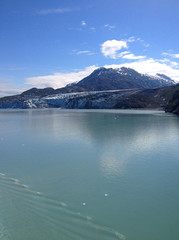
[(156, 98), (173, 105)]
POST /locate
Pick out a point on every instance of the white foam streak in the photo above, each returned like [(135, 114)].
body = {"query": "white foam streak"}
[(54, 216)]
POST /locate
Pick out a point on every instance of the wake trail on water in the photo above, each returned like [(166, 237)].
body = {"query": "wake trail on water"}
[(27, 214)]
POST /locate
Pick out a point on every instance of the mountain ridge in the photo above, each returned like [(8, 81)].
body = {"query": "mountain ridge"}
[(117, 78)]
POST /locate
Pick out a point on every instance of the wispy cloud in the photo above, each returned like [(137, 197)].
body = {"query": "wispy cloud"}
[(55, 11), (131, 56), (171, 63), (58, 80), (83, 27), (93, 29), (131, 39), (109, 27), (83, 23), (173, 55), (121, 54), (85, 52), (146, 45), (7, 88), (12, 68), (137, 39)]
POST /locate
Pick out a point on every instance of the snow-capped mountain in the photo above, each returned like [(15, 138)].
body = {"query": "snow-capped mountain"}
[(120, 78)]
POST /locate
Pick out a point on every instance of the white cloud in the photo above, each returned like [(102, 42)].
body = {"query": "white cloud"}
[(83, 23), (7, 88), (93, 29), (135, 39), (151, 66), (110, 48), (131, 56), (146, 45), (85, 52), (123, 53), (171, 63), (173, 55), (146, 66), (110, 27), (132, 39), (174, 64), (54, 11), (58, 80), (138, 39)]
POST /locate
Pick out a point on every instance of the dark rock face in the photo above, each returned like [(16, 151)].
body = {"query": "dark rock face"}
[(33, 92), (173, 105)]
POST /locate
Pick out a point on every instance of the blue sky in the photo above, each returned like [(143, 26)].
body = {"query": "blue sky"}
[(51, 43)]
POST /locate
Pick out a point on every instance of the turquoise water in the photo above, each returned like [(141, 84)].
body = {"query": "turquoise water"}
[(89, 175)]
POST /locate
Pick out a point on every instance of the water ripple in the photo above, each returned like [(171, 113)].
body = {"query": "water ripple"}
[(27, 214)]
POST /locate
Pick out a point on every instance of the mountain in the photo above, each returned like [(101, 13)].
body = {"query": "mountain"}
[(104, 88), (122, 78), (33, 92), (18, 101), (114, 79)]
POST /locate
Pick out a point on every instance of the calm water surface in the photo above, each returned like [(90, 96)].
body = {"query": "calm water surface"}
[(89, 175)]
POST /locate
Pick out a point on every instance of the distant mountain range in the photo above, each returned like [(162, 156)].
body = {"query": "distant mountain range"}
[(103, 88)]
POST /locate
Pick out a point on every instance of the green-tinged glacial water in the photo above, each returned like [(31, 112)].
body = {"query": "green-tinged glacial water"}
[(89, 175)]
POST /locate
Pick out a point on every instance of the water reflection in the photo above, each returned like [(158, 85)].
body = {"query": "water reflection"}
[(79, 156), (117, 137), (112, 165), (114, 136)]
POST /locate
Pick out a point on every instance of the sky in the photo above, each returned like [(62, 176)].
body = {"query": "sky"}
[(51, 43)]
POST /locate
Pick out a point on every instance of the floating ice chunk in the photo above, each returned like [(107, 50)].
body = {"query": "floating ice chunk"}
[(106, 195), (84, 203)]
